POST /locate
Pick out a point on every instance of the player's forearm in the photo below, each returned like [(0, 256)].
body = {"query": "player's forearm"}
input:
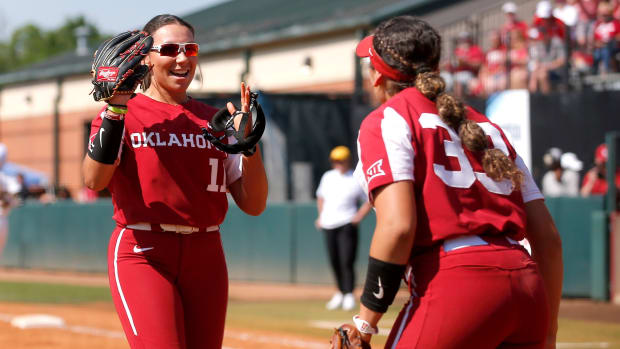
[(372, 317), (254, 185), (97, 175)]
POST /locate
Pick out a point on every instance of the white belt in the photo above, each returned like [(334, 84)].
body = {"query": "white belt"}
[(177, 228), (468, 241)]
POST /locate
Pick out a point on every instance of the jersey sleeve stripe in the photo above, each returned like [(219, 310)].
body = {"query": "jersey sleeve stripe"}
[(361, 179), (529, 189), (396, 135)]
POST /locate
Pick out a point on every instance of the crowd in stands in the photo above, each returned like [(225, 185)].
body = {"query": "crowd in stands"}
[(562, 39), (17, 188), (562, 176)]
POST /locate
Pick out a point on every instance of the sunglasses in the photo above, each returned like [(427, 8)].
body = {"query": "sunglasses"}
[(172, 50)]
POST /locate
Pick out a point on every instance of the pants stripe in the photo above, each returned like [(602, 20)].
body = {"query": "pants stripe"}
[(118, 283), (403, 323)]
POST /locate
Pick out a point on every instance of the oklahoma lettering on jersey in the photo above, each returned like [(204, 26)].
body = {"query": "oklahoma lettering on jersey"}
[(405, 139), (168, 172)]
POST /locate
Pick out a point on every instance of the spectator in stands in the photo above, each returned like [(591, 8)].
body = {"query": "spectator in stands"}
[(7, 201), (567, 11), (581, 61), (595, 182), (63, 193), (493, 71), (562, 178), (585, 26), (8, 183), (519, 58), (338, 197), (546, 23), (513, 23), (24, 191), (606, 40), (547, 57), (468, 59)]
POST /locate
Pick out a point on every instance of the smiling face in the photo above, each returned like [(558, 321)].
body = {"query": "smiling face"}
[(171, 75)]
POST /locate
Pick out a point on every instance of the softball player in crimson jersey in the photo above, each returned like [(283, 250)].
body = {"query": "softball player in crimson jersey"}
[(452, 197), (166, 265)]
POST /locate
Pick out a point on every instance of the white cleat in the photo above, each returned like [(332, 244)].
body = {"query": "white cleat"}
[(348, 302), (335, 302)]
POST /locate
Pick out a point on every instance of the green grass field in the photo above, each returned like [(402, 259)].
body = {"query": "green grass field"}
[(33, 292), (293, 318)]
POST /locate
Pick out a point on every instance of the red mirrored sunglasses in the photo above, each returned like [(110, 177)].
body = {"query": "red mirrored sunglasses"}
[(172, 50)]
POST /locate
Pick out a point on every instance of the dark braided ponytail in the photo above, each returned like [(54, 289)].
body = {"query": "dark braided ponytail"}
[(413, 47)]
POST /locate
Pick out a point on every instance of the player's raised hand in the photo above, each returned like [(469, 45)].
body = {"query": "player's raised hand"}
[(245, 108)]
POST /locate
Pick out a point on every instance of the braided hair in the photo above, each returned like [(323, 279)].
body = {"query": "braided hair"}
[(413, 47)]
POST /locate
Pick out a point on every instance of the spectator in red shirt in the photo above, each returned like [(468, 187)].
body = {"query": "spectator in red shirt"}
[(547, 56), (615, 4), (606, 39), (594, 182), (493, 72), (567, 11), (587, 17), (519, 58), (468, 60), (512, 23), (546, 23)]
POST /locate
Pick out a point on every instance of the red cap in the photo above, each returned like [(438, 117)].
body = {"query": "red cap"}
[(600, 154), (365, 48)]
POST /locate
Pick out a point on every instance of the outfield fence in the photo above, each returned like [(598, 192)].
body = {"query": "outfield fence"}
[(281, 245)]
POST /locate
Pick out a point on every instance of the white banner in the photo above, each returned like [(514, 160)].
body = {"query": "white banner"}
[(511, 111)]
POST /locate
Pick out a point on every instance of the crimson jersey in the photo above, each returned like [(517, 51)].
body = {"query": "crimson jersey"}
[(606, 31), (168, 172), (405, 139)]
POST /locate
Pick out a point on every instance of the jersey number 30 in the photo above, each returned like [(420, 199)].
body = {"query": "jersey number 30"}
[(466, 176)]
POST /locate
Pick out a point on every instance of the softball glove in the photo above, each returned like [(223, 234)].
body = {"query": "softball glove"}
[(116, 66), (348, 337)]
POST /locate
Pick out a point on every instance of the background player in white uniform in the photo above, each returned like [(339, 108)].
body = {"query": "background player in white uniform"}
[(338, 197)]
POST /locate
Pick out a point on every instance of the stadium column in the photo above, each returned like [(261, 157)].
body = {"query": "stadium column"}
[(611, 139), (56, 135)]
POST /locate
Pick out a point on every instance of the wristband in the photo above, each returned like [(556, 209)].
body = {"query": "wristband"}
[(104, 145), (364, 326), (117, 108), (113, 116), (382, 283)]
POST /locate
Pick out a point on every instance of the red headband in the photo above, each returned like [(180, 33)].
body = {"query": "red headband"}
[(366, 49)]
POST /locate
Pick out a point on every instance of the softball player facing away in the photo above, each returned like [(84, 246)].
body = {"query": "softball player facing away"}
[(452, 199), (166, 265)]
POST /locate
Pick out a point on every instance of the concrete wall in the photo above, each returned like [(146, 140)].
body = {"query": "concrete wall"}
[(281, 67), (219, 72)]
